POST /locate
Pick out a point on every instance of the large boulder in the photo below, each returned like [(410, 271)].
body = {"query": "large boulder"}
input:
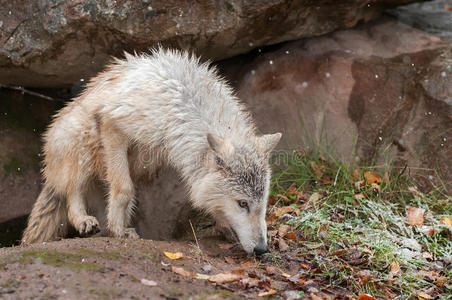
[(376, 94), (57, 43)]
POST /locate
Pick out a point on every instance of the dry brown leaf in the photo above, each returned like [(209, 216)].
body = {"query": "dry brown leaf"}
[(271, 270), (283, 229), (318, 172), (447, 7), (430, 231), (376, 187), (247, 263), (315, 297), (339, 252), (365, 297), (282, 245), (227, 277), (359, 184), (446, 221), (414, 191), (272, 233), (395, 270), (359, 196), (283, 197), (267, 293), (171, 255), (422, 295), (284, 210), (291, 235), (371, 177), (415, 216), (364, 276), (292, 190), (229, 260), (182, 272)]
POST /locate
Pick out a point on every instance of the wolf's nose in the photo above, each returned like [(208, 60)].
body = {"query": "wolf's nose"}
[(259, 250)]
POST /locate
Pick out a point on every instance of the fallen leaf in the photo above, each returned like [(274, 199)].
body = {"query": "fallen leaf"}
[(390, 293), (292, 190), (283, 197), (339, 252), (229, 260), (284, 210), (415, 216), (446, 221), (148, 282), (226, 277), (271, 270), (376, 187), (427, 255), (359, 196), (283, 229), (448, 7), (170, 255), (359, 184), (413, 190), (272, 233), (371, 177), (318, 172), (315, 297), (364, 276), (182, 272), (291, 235), (247, 263), (422, 295), (282, 245), (365, 297), (267, 293), (429, 231), (395, 270)]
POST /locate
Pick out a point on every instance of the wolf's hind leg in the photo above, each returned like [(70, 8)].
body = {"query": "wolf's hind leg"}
[(85, 225), (121, 190)]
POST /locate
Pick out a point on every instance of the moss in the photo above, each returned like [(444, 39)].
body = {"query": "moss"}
[(110, 255), (105, 293), (58, 259)]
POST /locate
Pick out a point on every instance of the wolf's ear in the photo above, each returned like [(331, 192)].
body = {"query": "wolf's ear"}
[(219, 145), (268, 142)]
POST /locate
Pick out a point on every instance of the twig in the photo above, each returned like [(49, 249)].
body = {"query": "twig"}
[(194, 234), (25, 91)]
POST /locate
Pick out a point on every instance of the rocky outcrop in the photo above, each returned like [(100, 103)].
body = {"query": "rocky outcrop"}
[(376, 94), (59, 43)]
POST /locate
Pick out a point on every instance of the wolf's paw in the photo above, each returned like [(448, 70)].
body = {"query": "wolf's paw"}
[(89, 226), (130, 233)]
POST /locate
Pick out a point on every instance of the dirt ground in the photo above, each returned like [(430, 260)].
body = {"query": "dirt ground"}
[(107, 268)]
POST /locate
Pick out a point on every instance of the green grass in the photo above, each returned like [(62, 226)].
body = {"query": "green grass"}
[(372, 229)]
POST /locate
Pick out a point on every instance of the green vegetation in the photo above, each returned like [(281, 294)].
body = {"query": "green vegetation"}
[(57, 259), (352, 227)]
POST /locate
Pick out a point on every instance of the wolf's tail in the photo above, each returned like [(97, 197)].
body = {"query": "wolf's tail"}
[(48, 218)]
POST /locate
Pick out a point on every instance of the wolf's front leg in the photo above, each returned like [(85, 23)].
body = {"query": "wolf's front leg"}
[(121, 190)]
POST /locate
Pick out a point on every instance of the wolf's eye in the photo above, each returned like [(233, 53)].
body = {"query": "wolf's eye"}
[(243, 203)]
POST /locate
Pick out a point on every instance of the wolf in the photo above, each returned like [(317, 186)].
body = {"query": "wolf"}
[(176, 110)]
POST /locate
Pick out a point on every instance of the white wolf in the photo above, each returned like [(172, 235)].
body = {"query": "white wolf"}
[(176, 111)]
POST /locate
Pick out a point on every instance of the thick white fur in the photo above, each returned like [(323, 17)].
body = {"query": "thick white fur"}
[(140, 113)]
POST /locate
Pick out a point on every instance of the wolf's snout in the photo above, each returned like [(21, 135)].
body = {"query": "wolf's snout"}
[(261, 249)]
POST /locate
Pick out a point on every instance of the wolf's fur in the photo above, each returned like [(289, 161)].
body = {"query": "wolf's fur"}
[(140, 113)]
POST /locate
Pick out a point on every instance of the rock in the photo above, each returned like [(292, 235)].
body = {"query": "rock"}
[(22, 120), (432, 16), (58, 43), (384, 87)]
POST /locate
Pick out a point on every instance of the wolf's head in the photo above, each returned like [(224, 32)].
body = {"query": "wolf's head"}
[(235, 188)]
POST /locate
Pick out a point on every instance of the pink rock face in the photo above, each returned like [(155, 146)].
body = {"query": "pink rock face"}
[(57, 43), (384, 87)]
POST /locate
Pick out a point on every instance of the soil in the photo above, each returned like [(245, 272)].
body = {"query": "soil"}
[(108, 268)]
